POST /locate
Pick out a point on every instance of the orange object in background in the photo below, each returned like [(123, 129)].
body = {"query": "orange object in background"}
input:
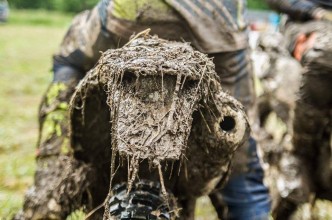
[(303, 43)]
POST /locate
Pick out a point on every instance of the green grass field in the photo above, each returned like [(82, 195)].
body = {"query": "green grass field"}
[(27, 42)]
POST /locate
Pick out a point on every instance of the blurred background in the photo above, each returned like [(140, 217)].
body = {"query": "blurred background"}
[(30, 32), (79, 5)]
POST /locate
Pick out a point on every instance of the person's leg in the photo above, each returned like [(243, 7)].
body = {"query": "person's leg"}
[(311, 117), (244, 196), (54, 154), (57, 191)]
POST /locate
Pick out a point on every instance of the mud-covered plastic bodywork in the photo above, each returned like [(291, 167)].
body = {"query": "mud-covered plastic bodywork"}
[(154, 110)]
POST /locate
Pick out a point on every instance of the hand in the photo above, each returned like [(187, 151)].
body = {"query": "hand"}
[(303, 43)]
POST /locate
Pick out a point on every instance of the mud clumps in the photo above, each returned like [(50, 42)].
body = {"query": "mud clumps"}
[(55, 195), (153, 106), (155, 109), (145, 83)]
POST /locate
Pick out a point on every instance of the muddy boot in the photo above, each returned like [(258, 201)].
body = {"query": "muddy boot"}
[(54, 180), (58, 190), (299, 176), (310, 126)]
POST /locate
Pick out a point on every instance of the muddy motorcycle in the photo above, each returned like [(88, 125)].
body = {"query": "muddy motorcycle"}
[(292, 175), (151, 130)]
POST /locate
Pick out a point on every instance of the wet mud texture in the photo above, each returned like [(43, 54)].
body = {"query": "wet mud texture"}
[(159, 108), (153, 112)]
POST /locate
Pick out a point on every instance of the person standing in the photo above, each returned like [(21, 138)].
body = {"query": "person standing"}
[(308, 34)]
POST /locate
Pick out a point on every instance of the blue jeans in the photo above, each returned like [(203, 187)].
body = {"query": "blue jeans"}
[(245, 194)]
